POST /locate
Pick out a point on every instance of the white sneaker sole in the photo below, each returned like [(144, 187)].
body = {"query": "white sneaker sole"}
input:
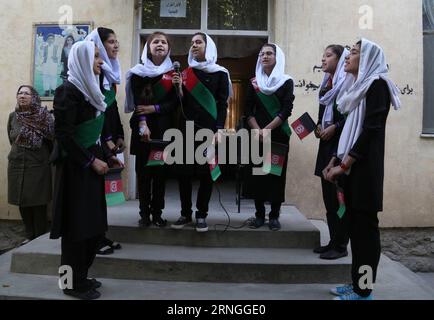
[(202, 230)]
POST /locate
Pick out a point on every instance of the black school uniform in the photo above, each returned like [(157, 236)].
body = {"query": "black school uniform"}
[(79, 206), (218, 84), (269, 188), (150, 178)]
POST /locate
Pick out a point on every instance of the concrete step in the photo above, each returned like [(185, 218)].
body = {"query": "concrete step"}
[(191, 264), (297, 231)]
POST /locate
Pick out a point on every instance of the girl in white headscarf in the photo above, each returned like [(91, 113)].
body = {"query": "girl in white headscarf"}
[(152, 97), (113, 131), (330, 124), (206, 90), (108, 45), (79, 207), (269, 104), (361, 151)]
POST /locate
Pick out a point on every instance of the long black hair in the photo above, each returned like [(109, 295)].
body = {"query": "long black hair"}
[(104, 33)]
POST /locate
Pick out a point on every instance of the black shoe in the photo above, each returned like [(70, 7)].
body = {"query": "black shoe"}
[(322, 249), (201, 225), (159, 222), (181, 223), (333, 255), (111, 244), (274, 225), (90, 294), (145, 222), (93, 283), (257, 223)]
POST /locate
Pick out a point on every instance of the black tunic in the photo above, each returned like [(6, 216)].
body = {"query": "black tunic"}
[(269, 187), (158, 123), (79, 207), (364, 185), (327, 149), (218, 84), (113, 129)]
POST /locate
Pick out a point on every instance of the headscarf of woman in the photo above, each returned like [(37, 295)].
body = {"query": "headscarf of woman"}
[(146, 69), (268, 85), (352, 102), (210, 64), (341, 81), (111, 67), (36, 123), (80, 65)]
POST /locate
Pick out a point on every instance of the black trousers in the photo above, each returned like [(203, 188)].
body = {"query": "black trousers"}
[(35, 221), (152, 190), (203, 196), (365, 246), (260, 209), (338, 228), (79, 255)]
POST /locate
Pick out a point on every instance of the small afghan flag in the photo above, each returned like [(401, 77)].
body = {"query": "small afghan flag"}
[(341, 200), (201, 93), (114, 194), (304, 126), (162, 87), (275, 160), (212, 160), (156, 155)]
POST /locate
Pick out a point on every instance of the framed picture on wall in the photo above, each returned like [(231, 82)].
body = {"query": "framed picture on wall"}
[(51, 46)]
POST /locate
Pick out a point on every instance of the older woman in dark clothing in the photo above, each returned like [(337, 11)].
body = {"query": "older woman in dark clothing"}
[(30, 130)]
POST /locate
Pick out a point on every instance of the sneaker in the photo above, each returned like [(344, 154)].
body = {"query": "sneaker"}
[(333, 255), (159, 222), (354, 297), (181, 223), (257, 223), (201, 225), (322, 249), (342, 290), (274, 225), (90, 294)]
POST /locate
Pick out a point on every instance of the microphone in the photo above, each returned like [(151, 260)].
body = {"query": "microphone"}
[(177, 68)]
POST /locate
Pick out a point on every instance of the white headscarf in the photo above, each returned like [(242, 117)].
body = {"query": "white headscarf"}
[(146, 69), (352, 102), (341, 81), (270, 84), (111, 67), (210, 65), (80, 65)]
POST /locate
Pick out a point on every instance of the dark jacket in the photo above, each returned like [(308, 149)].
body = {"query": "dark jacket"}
[(79, 205), (364, 185), (327, 149)]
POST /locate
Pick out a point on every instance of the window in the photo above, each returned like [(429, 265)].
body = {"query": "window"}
[(238, 15), (428, 48), (156, 14), (216, 17)]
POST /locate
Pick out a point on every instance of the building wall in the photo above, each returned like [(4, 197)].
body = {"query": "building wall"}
[(304, 28), (16, 27)]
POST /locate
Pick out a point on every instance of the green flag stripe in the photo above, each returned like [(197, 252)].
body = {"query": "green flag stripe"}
[(205, 99), (272, 105)]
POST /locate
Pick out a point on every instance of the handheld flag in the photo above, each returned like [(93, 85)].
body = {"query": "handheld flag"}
[(113, 187), (156, 155), (275, 161), (304, 126)]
